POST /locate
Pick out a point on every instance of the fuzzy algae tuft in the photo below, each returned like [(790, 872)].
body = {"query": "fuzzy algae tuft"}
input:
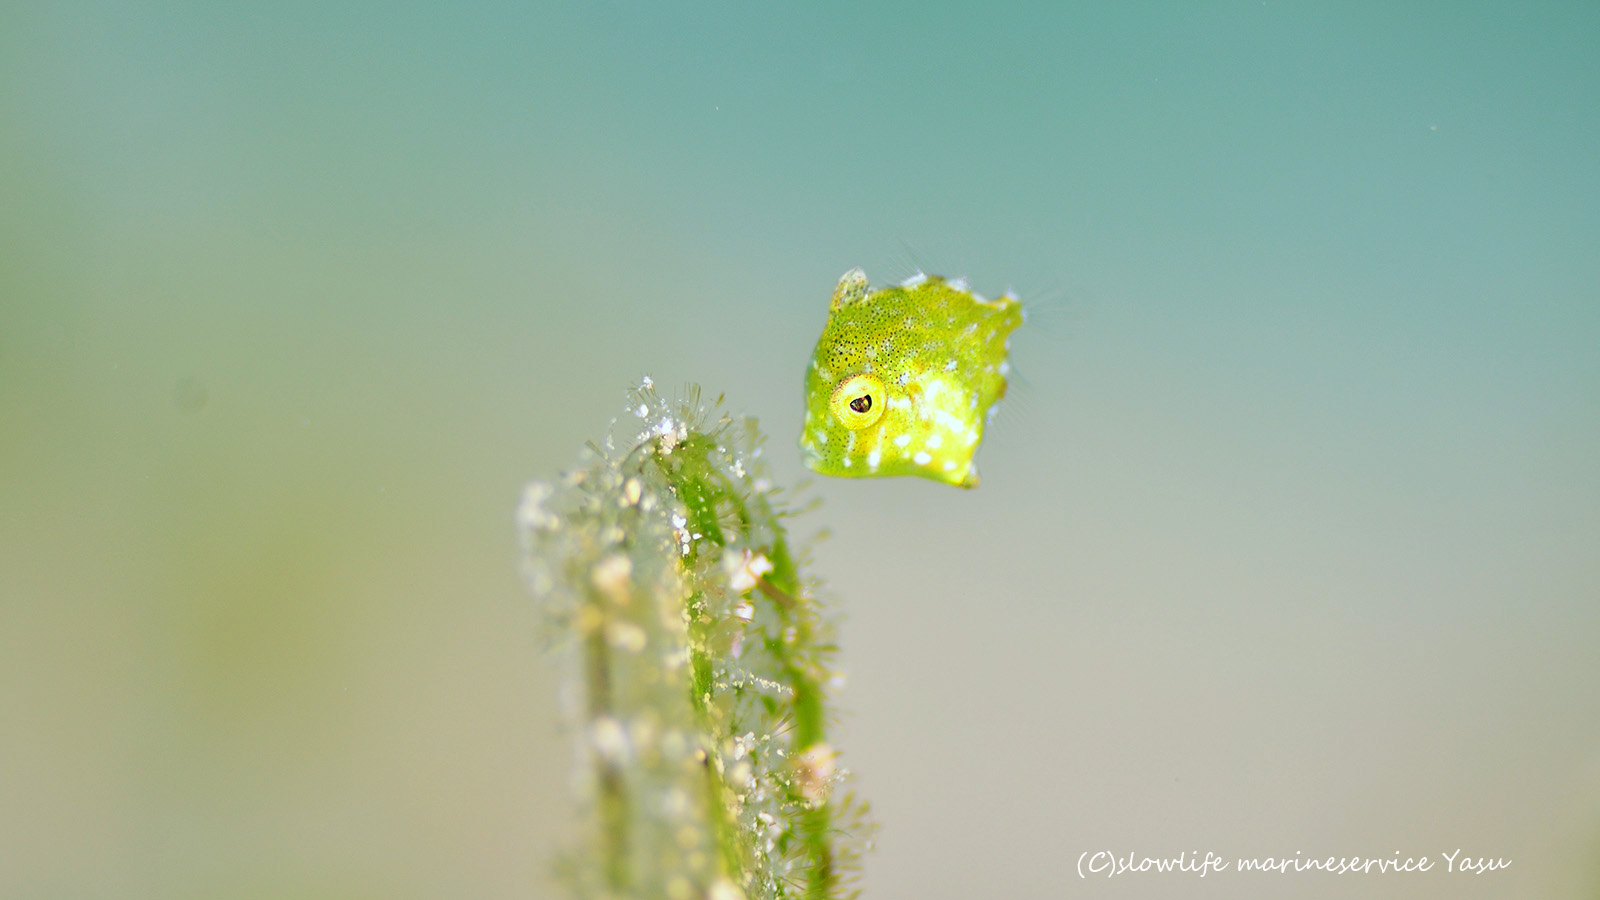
[(698, 662)]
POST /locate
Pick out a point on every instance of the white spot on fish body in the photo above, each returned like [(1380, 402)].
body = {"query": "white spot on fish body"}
[(949, 422), (922, 459), (902, 440)]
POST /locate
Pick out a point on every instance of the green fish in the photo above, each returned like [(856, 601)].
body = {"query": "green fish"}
[(904, 379)]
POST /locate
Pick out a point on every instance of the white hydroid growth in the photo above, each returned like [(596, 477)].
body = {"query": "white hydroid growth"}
[(697, 664)]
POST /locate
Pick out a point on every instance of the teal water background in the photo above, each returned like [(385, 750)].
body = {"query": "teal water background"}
[(1289, 535)]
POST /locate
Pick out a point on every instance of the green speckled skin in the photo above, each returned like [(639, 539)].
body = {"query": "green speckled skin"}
[(940, 352)]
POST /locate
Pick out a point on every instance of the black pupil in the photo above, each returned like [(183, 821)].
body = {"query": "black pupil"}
[(862, 403)]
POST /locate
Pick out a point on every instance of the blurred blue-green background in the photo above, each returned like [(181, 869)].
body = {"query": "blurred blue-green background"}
[(1289, 536)]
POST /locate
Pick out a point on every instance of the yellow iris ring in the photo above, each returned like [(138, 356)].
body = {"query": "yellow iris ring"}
[(858, 401)]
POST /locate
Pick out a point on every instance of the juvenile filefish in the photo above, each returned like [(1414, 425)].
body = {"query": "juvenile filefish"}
[(904, 379)]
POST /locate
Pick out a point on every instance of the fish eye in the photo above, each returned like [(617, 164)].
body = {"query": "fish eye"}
[(858, 401)]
